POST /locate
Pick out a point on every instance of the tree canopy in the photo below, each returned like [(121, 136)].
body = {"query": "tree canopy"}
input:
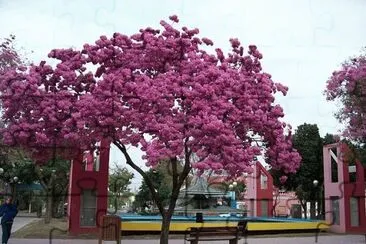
[(160, 90), (161, 85), (9, 57), (347, 86)]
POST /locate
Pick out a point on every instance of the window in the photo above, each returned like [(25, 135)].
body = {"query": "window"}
[(252, 213), (96, 161), (88, 208), (91, 161), (334, 170), (264, 180), (87, 161), (354, 211), (352, 173), (264, 208), (335, 209)]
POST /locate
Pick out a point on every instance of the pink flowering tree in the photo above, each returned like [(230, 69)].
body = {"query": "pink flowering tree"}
[(157, 90), (347, 86), (9, 57)]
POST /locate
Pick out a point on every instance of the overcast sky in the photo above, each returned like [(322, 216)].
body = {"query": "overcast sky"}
[(302, 41)]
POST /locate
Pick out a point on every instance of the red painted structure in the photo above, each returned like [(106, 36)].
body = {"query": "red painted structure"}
[(88, 190), (259, 196), (344, 191)]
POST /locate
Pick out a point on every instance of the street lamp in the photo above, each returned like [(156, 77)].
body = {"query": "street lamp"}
[(232, 194), (1, 170), (320, 198)]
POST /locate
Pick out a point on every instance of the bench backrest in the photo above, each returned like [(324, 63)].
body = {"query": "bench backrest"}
[(214, 231)]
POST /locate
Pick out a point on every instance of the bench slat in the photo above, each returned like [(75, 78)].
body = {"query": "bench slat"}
[(212, 238)]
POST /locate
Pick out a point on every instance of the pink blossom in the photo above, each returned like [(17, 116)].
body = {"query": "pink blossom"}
[(159, 91), (234, 42), (347, 85), (174, 18), (207, 41)]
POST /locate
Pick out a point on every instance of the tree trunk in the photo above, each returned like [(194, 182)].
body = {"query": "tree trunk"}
[(49, 208), (303, 205), (178, 180), (13, 192), (312, 210), (165, 227)]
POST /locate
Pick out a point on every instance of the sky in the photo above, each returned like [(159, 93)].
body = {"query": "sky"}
[(302, 41)]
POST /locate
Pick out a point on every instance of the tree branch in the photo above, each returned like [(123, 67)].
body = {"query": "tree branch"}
[(148, 181), (39, 175), (187, 163), (173, 162)]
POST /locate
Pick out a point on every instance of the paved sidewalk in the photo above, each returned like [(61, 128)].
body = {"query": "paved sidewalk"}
[(20, 222), (336, 239)]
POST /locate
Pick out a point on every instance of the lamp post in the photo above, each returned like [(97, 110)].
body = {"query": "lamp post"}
[(232, 187), (319, 197)]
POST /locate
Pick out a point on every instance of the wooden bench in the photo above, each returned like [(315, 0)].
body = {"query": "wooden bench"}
[(197, 234)]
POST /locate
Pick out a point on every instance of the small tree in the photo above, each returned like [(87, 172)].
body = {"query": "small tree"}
[(53, 177), (119, 181), (157, 90), (15, 169), (162, 182), (309, 144)]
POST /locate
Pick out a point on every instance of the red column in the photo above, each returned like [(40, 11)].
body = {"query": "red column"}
[(264, 194), (84, 178)]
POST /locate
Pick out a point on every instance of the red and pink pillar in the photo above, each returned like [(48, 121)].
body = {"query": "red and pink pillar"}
[(88, 190), (344, 192), (259, 196)]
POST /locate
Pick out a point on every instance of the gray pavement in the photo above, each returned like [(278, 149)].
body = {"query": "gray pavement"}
[(20, 222), (332, 239)]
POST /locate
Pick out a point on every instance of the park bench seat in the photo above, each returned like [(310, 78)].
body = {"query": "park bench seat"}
[(197, 234)]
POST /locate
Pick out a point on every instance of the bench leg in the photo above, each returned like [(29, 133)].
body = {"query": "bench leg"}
[(235, 241), (193, 242)]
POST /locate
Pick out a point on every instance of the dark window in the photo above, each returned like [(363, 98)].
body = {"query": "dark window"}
[(352, 173), (88, 208), (334, 170), (354, 201), (335, 209)]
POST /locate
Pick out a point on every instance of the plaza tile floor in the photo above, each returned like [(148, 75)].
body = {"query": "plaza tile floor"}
[(337, 239)]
